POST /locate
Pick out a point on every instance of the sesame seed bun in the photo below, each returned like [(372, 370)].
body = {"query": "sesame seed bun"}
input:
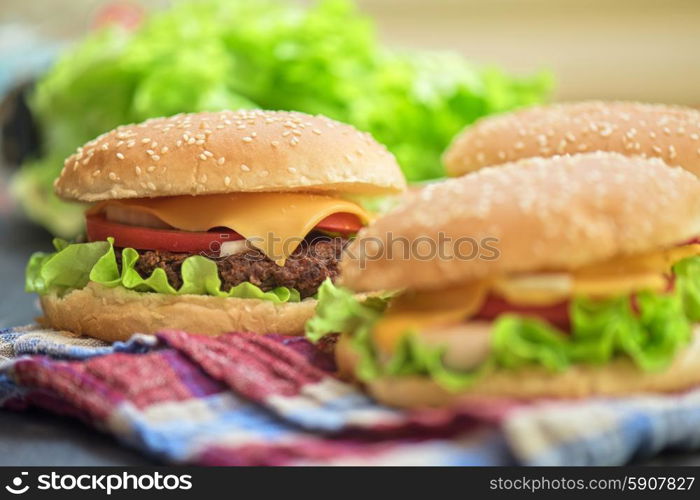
[(620, 377), (557, 213), (229, 151), (113, 314), (650, 130)]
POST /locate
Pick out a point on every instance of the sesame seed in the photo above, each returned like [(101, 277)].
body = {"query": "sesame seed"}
[(150, 152), (221, 160), (145, 140), (671, 152), (694, 137), (164, 150), (227, 180), (191, 140), (96, 173), (245, 167), (208, 153), (151, 186), (316, 131), (105, 146), (286, 133), (112, 176), (203, 157), (138, 170), (151, 169), (120, 156), (292, 170), (274, 144), (178, 143), (203, 178), (247, 139)]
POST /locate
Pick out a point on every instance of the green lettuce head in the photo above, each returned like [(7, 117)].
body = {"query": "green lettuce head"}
[(272, 54)]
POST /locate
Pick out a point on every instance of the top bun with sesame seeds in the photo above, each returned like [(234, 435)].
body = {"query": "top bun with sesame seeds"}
[(671, 133), (553, 214), (229, 151)]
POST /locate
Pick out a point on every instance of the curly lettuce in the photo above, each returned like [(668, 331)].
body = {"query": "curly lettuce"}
[(649, 333), (73, 266), (272, 54)]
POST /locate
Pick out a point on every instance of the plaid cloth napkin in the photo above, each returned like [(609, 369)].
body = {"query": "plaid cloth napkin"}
[(244, 399)]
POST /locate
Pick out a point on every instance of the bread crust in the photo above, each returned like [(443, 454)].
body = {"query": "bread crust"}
[(113, 314), (229, 151), (671, 133), (538, 214), (617, 378)]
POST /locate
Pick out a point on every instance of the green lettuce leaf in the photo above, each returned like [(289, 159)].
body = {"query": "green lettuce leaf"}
[(72, 266), (203, 55), (601, 331), (687, 274)]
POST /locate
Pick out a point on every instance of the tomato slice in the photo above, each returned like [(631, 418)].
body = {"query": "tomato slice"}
[(343, 223), (146, 238), (556, 314), (174, 240)]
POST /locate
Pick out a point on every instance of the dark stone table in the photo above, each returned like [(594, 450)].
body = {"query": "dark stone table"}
[(36, 438)]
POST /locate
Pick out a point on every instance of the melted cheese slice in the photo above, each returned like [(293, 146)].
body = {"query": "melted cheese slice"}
[(415, 311), (419, 311), (275, 223)]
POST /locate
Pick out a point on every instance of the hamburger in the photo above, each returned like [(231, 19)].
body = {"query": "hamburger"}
[(586, 281), (671, 133), (209, 222)]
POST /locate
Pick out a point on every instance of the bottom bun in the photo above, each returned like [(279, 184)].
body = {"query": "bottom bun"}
[(617, 378), (117, 313)]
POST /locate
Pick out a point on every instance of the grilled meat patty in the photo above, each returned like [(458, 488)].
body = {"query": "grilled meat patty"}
[(314, 260)]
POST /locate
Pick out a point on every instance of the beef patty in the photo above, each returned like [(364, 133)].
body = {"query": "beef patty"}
[(314, 260)]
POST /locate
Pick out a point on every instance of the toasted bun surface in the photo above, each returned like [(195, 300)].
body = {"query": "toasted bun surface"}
[(229, 151), (545, 214), (657, 131), (113, 314), (618, 378)]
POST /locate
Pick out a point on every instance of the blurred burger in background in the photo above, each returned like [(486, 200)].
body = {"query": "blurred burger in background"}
[(671, 133), (209, 222)]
